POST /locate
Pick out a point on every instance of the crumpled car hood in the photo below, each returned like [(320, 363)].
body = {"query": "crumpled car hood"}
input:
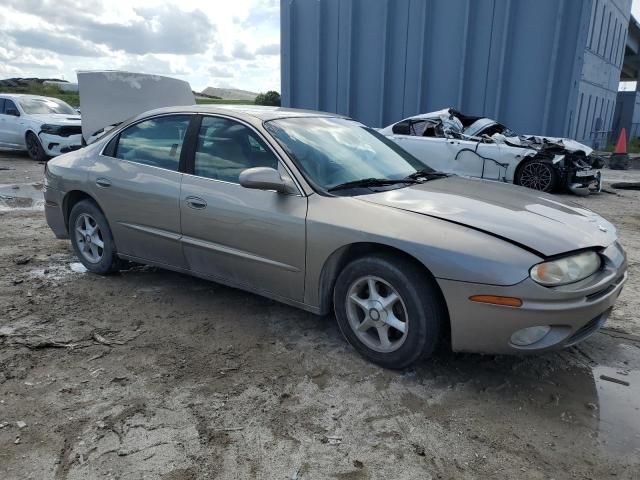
[(537, 141), (534, 220)]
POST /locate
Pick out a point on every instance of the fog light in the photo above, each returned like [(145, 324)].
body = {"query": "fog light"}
[(529, 335)]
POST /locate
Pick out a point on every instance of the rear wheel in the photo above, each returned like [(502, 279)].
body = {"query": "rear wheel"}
[(538, 175), (389, 310), (91, 238), (34, 147)]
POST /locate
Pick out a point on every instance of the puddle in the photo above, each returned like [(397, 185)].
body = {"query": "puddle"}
[(619, 409), (569, 406), (26, 196)]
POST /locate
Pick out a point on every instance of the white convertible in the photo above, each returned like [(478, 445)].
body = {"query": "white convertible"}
[(451, 142), (43, 126)]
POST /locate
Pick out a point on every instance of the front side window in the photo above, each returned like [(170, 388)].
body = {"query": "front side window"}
[(333, 151), (34, 106), (225, 148), (156, 142)]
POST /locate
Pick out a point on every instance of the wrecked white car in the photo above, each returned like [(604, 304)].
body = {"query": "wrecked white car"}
[(480, 147), (43, 126)]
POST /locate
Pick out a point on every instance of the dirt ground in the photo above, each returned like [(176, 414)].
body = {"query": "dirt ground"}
[(151, 374)]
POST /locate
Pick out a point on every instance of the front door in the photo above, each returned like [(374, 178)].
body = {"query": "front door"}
[(138, 188), (254, 239)]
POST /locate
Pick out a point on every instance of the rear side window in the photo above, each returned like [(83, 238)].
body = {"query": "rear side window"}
[(225, 148), (156, 142), (6, 105)]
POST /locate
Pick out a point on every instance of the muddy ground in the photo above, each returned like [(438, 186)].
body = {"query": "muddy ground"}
[(151, 374)]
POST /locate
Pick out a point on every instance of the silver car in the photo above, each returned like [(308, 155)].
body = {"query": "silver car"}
[(323, 213)]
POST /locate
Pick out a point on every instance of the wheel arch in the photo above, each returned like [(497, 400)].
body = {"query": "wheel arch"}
[(535, 158), (347, 253), (71, 198), (27, 131)]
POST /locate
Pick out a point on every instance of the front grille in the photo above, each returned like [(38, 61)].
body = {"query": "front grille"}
[(589, 328), (68, 130)]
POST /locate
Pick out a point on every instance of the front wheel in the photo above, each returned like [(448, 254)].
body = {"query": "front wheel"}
[(538, 175), (389, 310), (34, 148)]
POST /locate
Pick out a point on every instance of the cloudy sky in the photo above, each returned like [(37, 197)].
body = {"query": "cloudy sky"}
[(222, 43)]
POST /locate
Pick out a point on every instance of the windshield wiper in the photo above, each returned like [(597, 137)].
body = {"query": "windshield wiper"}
[(370, 182), (427, 175)]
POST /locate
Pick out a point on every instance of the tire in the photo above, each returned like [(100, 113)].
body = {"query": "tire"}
[(419, 309), (92, 239), (537, 175), (34, 148)]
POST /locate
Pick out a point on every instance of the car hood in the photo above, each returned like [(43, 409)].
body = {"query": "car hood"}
[(57, 118), (533, 220)]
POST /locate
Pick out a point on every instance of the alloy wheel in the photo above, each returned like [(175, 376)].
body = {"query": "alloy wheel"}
[(537, 176), (377, 314), (89, 238)]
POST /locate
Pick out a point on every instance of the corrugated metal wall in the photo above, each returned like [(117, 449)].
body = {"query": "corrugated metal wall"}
[(603, 57), (627, 116), (533, 64)]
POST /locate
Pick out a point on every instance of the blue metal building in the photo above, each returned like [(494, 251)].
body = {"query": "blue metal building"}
[(547, 67), (627, 112)]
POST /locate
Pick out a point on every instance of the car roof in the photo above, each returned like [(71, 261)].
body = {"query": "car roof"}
[(20, 95), (259, 112), (16, 96)]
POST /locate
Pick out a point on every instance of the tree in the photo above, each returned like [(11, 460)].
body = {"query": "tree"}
[(270, 98)]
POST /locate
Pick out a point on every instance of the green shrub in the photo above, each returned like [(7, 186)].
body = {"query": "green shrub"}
[(271, 98)]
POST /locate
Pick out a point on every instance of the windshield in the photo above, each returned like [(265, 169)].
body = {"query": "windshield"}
[(334, 151), (34, 106)]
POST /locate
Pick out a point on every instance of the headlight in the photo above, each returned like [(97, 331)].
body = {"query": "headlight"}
[(566, 270), (51, 129)]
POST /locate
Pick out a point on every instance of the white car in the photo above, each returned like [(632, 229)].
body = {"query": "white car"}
[(480, 147), (43, 126)]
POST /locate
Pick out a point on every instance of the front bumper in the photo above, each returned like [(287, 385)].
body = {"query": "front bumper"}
[(55, 145), (583, 186), (573, 312)]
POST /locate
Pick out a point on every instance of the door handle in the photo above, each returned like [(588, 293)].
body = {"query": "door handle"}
[(196, 202), (103, 182)]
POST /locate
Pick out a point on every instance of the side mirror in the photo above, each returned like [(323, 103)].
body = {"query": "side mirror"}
[(13, 112), (265, 178)]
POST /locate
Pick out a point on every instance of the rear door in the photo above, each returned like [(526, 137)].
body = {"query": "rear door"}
[(11, 128), (137, 184), (254, 239), (4, 136)]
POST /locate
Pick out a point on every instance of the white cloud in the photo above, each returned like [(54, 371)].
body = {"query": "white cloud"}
[(218, 72), (270, 49), (241, 52), (206, 43)]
